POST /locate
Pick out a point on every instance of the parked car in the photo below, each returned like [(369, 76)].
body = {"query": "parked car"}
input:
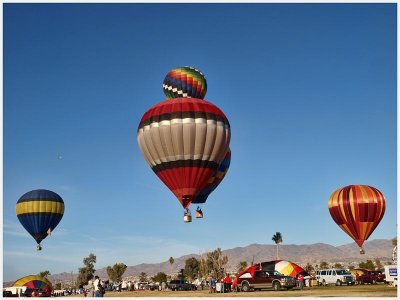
[(367, 277), (380, 276), (334, 276), (181, 285), (151, 287), (9, 294), (263, 279)]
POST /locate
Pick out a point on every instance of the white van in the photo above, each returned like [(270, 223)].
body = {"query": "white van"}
[(334, 276), (391, 274)]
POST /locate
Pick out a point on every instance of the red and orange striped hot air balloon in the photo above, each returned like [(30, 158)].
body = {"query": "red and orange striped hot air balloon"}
[(357, 209)]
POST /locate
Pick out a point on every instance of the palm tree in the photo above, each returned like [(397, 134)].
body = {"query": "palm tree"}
[(277, 238), (44, 273), (171, 262)]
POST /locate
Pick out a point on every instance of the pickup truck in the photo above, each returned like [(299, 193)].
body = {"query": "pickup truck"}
[(181, 285), (263, 279), (367, 277)]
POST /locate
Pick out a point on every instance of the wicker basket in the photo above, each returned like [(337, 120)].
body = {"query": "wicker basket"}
[(199, 214), (187, 218)]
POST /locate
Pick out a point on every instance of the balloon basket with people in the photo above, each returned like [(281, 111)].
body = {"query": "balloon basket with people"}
[(199, 213), (187, 216)]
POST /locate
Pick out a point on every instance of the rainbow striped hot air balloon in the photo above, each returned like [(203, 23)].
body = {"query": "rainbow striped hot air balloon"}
[(185, 82), (35, 282), (40, 211), (357, 209)]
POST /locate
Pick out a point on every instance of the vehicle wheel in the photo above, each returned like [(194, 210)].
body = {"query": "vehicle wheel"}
[(373, 281), (276, 285), (338, 282), (324, 282), (245, 287)]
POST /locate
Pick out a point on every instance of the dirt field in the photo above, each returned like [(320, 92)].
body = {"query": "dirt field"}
[(379, 290)]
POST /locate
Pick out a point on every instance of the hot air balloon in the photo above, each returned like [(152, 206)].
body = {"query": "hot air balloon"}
[(185, 82), (35, 282), (40, 211), (184, 140), (357, 209), (213, 183)]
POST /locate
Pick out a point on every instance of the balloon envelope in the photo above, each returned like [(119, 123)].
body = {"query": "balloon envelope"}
[(185, 82), (35, 282), (357, 209), (215, 180), (184, 140), (39, 212)]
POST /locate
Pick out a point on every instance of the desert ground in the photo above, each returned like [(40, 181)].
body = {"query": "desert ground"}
[(379, 290)]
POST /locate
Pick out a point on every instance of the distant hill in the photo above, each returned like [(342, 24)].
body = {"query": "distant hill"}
[(300, 254)]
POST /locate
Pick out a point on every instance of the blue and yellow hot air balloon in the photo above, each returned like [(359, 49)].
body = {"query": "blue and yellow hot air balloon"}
[(40, 211)]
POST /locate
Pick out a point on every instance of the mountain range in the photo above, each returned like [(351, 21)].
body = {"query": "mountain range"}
[(301, 254)]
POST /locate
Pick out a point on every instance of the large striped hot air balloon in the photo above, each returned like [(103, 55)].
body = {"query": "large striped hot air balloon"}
[(184, 140), (35, 282), (357, 209), (213, 183), (185, 82), (40, 211)]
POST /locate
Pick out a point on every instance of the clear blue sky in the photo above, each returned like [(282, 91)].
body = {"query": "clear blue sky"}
[(309, 90)]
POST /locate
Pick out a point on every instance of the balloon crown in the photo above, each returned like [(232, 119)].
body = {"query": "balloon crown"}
[(185, 82)]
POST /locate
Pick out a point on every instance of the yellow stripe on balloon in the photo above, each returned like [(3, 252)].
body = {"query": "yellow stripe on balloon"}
[(366, 228), (346, 229), (341, 205), (40, 207), (352, 204)]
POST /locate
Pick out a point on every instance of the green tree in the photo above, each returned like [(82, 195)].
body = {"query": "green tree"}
[(378, 264), (160, 277), (143, 277), (57, 286), (44, 273), (277, 238), (309, 268), (323, 265), (203, 268), (171, 262), (338, 266), (116, 271), (86, 273), (367, 265), (192, 267), (241, 266), (216, 263), (394, 242)]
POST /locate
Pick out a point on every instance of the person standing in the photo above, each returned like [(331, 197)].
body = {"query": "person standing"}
[(90, 291), (227, 283), (96, 284), (357, 277), (300, 278)]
